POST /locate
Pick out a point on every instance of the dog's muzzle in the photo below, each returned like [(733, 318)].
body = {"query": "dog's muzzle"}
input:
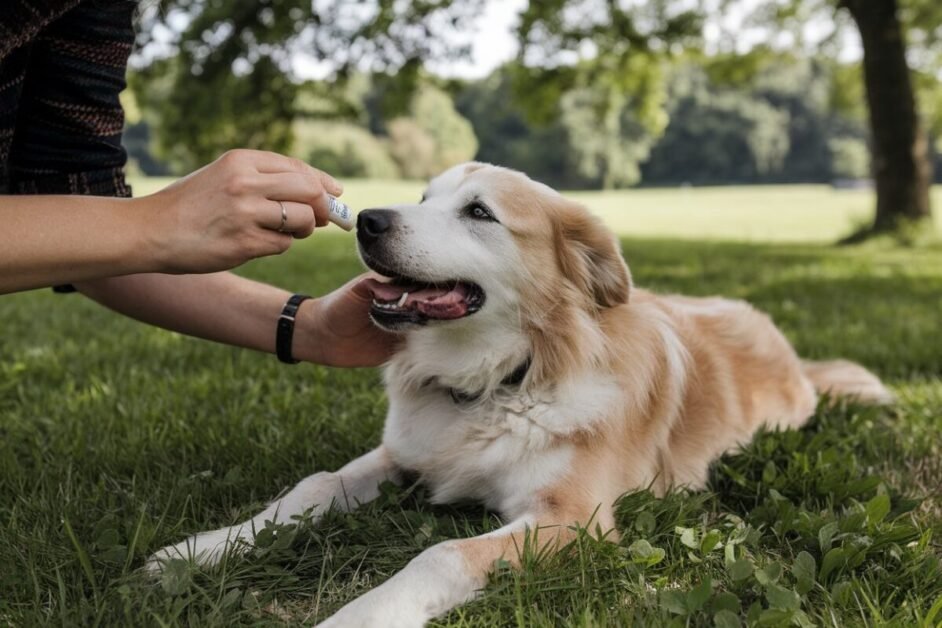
[(373, 224)]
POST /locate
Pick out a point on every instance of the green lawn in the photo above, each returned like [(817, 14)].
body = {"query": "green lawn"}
[(116, 439), (760, 213)]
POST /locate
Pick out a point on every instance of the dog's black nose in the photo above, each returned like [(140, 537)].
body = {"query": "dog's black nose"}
[(373, 223)]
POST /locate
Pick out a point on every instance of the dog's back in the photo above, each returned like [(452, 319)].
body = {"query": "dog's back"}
[(740, 373)]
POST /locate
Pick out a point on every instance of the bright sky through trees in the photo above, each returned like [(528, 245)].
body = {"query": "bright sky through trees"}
[(495, 42)]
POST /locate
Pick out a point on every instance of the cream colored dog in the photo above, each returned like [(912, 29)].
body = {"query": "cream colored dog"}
[(533, 377)]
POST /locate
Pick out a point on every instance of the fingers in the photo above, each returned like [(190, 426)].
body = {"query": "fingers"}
[(280, 178), (298, 188), (360, 288), (298, 218), (272, 243), (268, 162), (360, 285)]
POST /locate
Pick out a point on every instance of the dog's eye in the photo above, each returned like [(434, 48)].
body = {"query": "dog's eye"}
[(478, 211)]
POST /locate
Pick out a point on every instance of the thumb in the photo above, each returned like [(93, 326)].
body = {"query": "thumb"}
[(362, 286)]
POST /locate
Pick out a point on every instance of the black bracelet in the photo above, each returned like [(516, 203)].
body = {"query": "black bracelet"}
[(285, 329)]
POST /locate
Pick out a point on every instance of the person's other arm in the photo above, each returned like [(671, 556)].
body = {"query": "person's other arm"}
[(333, 330), (215, 219)]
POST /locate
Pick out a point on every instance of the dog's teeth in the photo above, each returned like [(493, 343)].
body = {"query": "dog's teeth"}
[(402, 299)]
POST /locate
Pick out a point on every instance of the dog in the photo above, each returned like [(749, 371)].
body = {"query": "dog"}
[(535, 378)]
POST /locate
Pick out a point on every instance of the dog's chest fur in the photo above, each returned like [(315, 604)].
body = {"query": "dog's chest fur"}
[(501, 449)]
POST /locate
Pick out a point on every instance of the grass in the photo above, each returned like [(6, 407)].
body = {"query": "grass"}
[(759, 213), (116, 439)]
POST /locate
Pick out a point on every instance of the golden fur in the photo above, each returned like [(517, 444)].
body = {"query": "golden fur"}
[(704, 373), (701, 375)]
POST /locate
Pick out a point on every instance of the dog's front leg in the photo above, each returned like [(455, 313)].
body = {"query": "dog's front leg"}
[(444, 576), (356, 483)]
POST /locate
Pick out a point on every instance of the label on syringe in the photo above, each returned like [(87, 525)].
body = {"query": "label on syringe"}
[(340, 214)]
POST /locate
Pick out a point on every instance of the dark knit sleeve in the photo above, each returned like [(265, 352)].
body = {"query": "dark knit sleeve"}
[(21, 20), (69, 118)]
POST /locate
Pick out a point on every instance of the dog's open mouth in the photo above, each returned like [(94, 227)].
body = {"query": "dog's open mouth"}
[(405, 300)]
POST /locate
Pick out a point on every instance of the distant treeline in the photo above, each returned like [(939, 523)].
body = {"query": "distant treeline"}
[(784, 120)]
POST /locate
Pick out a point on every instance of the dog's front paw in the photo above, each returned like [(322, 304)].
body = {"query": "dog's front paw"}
[(205, 549), (362, 614)]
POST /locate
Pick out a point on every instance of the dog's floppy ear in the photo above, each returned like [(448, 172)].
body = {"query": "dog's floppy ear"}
[(590, 257)]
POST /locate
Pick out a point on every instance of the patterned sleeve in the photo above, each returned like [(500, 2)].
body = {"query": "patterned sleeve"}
[(21, 20), (69, 118)]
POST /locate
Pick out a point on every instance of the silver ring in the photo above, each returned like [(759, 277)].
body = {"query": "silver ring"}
[(284, 217)]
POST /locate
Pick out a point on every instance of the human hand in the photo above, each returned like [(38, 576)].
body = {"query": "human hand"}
[(228, 212), (336, 330)]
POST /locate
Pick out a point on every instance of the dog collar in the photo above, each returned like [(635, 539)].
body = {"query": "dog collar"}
[(514, 379)]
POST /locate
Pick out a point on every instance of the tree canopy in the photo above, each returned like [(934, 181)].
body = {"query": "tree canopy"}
[(220, 74), (902, 47), (602, 94)]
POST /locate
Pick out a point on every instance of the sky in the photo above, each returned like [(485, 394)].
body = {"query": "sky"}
[(494, 43)]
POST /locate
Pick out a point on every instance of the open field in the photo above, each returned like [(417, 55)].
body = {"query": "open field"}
[(116, 439), (770, 213)]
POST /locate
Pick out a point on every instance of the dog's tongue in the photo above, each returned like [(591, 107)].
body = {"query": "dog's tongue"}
[(433, 302), (383, 291), (439, 303)]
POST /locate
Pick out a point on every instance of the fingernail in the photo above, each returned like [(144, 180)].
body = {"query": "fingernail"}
[(338, 187)]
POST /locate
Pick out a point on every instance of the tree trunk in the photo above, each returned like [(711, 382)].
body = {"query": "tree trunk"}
[(901, 165)]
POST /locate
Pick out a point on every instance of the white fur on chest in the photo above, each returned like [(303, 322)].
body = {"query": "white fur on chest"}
[(501, 450)]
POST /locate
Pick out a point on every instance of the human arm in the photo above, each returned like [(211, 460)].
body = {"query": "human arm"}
[(215, 219), (48, 239), (333, 330)]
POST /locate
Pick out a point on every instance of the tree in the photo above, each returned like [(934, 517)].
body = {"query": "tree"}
[(343, 149), (195, 119), (222, 73), (506, 135), (849, 158), (433, 138), (901, 166), (599, 65), (617, 48), (718, 134), (605, 149), (889, 29), (574, 149), (765, 117)]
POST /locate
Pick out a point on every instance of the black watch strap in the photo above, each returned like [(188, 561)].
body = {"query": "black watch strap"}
[(285, 330)]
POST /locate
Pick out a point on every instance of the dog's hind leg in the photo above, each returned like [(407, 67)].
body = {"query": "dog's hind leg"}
[(356, 483), (451, 573)]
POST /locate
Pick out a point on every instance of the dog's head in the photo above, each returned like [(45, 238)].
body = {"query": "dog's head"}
[(489, 247)]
